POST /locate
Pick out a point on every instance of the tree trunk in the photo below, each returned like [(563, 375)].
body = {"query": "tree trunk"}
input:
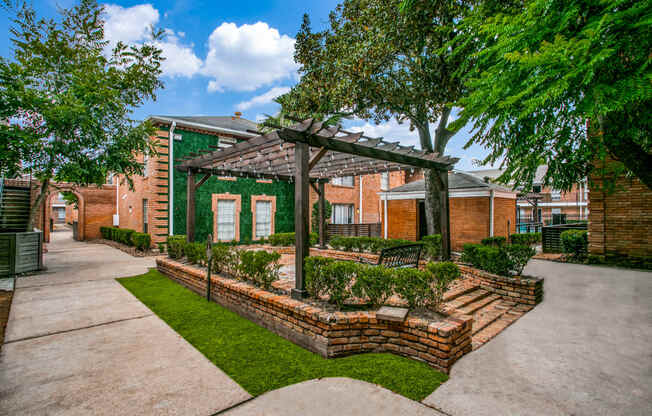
[(45, 185)]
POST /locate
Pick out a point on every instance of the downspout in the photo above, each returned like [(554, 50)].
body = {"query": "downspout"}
[(491, 213), (385, 212), (116, 221), (360, 208), (171, 178)]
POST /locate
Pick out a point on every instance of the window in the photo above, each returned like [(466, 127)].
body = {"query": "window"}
[(555, 195), (384, 181), (556, 211), (263, 219), (145, 215), (61, 213), (342, 214), (226, 219), (343, 181), (145, 165)]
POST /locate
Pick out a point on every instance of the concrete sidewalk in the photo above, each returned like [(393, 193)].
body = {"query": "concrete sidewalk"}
[(78, 343), (585, 350)]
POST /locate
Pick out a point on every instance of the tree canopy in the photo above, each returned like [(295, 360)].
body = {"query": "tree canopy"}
[(544, 69), (66, 99)]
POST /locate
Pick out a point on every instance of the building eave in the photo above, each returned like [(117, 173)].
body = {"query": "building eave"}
[(189, 124)]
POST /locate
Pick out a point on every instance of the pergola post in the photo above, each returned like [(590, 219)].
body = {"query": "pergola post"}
[(190, 207), (445, 217), (322, 214), (301, 217)]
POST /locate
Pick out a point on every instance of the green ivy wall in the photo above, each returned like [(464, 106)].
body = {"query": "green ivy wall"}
[(284, 192)]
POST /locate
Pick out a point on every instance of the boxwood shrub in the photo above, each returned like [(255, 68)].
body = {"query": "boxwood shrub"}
[(120, 235), (176, 245), (495, 241), (366, 244), (525, 239), (505, 260), (287, 239), (142, 241), (575, 243)]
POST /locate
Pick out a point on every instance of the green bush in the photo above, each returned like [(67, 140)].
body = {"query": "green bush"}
[(375, 283), (124, 236), (142, 241), (414, 286), (106, 232), (161, 247), (221, 257), (525, 239), (195, 252), (443, 273), (518, 255), (432, 246), (315, 280), (260, 267), (369, 244), (176, 245), (495, 241), (575, 243), (287, 239), (338, 277)]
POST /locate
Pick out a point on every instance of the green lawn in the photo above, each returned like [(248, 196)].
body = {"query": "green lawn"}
[(260, 360)]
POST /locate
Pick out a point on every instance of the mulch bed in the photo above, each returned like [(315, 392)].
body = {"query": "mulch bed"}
[(127, 249), (5, 305)]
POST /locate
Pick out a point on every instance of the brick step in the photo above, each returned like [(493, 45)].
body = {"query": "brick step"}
[(471, 308), (488, 314), (459, 291), (468, 298), (494, 328)]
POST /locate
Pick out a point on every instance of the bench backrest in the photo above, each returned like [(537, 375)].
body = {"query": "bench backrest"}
[(401, 256)]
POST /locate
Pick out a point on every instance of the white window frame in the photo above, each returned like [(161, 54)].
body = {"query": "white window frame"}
[(350, 214), (266, 222), (343, 181), (221, 224), (384, 181)]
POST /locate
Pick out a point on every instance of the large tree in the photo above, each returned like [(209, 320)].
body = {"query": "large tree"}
[(379, 61), (548, 68), (66, 100)]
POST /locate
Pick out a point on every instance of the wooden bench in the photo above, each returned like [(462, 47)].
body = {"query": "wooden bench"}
[(398, 257)]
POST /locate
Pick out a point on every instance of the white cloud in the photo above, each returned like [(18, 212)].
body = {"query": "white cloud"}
[(131, 25), (264, 98), (247, 57), (391, 131)]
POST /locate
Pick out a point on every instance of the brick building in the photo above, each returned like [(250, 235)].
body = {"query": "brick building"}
[(572, 205), (477, 209), (228, 208), (620, 223)]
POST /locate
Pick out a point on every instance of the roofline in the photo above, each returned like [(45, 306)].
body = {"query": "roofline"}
[(181, 123), (453, 193)]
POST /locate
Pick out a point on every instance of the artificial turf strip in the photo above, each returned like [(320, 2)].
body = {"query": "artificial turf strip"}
[(260, 360)]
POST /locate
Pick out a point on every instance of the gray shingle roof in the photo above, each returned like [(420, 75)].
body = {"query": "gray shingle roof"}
[(224, 122), (494, 173), (457, 180)]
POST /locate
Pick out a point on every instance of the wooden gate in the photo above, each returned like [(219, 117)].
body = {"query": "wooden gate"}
[(20, 252)]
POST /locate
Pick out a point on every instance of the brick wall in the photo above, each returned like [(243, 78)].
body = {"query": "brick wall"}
[(521, 290), (504, 216), (620, 224), (402, 219), (98, 210), (469, 218), (439, 344)]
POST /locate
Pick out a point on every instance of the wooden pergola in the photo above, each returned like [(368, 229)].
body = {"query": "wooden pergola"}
[(310, 153)]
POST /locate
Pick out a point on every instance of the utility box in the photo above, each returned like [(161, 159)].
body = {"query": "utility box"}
[(20, 252)]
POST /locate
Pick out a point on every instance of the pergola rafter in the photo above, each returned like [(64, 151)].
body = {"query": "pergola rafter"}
[(309, 151)]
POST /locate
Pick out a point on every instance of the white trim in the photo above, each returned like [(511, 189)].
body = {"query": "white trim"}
[(207, 127), (554, 204), (385, 222), (470, 193), (491, 213), (171, 178), (360, 206)]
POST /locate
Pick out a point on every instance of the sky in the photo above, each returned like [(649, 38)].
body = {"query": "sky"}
[(228, 56)]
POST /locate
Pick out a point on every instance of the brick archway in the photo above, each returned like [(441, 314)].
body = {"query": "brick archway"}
[(47, 214)]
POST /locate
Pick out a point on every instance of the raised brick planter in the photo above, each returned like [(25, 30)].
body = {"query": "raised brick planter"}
[(520, 290), (439, 344)]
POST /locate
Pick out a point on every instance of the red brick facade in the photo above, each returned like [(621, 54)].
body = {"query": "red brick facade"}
[(620, 223)]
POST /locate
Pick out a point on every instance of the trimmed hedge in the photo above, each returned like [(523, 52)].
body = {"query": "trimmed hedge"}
[(142, 241), (493, 241), (288, 239), (120, 235), (525, 239), (340, 281), (366, 244), (176, 244), (505, 260), (575, 243), (432, 246)]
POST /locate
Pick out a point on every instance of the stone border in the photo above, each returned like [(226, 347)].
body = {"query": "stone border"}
[(132, 251), (520, 290), (439, 344)]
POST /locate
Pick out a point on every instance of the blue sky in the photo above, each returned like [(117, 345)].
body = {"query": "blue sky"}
[(227, 56)]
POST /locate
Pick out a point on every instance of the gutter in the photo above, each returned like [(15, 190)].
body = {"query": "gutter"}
[(491, 213), (360, 208), (190, 124), (171, 178)]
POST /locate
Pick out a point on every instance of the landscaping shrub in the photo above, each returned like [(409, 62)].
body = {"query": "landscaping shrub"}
[(176, 245), (375, 283), (195, 252), (287, 239), (161, 247), (443, 273), (503, 260), (495, 241), (315, 280), (260, 267), (519, 255), (525, 239), (142, 241), (432, 246), (413, 285), (106, 232), (338, 277), (124, 236), (575, 243), (369, 244), (221, 257)]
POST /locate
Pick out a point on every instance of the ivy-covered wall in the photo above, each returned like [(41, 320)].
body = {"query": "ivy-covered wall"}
[(284, 192)]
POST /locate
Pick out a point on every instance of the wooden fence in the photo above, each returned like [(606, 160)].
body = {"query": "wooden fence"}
[(353, 230), (550, 236)]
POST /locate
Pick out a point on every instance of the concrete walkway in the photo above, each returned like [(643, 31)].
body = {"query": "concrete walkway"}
[(585, 350), (78, 343)]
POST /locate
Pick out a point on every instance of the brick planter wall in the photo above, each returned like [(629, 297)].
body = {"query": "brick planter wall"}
[(439, 344), (520, 290)]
